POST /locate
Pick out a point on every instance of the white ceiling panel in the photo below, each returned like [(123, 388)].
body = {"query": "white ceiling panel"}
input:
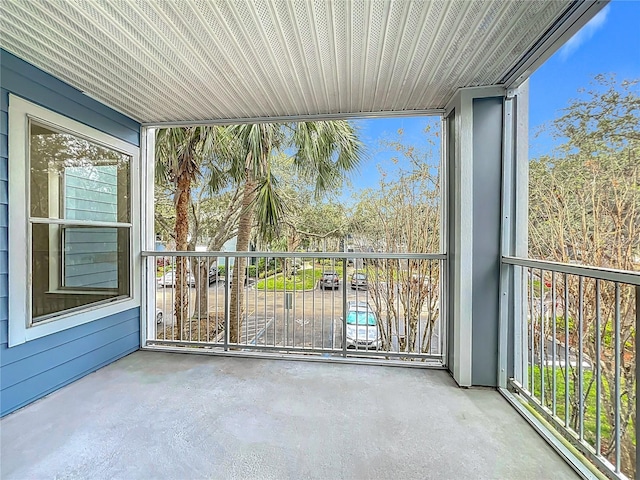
[(197, 60)]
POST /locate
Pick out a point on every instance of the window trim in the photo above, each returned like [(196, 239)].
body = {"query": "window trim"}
[(20, 329)]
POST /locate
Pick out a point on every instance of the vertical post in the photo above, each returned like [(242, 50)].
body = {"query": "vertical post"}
[(554, 342), (637, 368), (287, 308), (344, 308), (566, 351), (598, 369), (542, 337), (617, 386), (443, 265), (227, 313), (513, 333), (506, 271), (148, 272), (580, 357), (481, 268)]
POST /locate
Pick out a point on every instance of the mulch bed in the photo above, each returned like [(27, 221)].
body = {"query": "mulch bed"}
[(195, 330)]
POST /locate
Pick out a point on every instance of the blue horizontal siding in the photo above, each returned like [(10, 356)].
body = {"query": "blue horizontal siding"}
[(49, 381), (31, 366), (30, 377), (39, 367), (4, 328), (48, 344), (4, 144)]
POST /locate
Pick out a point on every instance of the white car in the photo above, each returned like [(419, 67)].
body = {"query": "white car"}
[(159, 315), (362, 327), (168, 280)]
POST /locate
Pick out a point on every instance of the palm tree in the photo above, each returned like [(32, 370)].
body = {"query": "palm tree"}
[(180, 153), (324, 152)]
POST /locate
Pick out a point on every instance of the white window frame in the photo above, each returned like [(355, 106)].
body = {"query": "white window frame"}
[(20, 328)]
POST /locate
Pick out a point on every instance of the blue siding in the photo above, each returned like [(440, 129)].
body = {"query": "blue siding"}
[(38, 372), (37, 368)]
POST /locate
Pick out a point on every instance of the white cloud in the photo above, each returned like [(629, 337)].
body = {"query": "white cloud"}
[(585, 33)]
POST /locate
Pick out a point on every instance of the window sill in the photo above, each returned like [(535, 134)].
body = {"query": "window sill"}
[(70, 291)]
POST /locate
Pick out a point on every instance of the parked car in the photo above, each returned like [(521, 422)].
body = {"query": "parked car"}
[(359, 280), (214, 274), (168, 280), (329, 280), (362, 327), (159, 315)]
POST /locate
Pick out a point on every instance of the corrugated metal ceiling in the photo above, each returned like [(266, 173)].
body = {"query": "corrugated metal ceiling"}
[(185, 60)]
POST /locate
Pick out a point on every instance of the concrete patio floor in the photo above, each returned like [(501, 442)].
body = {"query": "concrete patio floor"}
[(180, 416)]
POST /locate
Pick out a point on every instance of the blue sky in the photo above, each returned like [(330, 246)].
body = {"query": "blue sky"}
[(609, 43)]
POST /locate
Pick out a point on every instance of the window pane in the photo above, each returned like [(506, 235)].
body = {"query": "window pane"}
[(91, 193), (90, 257), (77, 266), (73, 178)]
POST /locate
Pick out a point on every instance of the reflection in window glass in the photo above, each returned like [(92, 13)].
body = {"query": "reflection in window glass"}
[(80, 209)]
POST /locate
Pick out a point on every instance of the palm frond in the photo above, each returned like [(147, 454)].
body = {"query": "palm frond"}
[(325, 151), (255, 142), (269, 206)]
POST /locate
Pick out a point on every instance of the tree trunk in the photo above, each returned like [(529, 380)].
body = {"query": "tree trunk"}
[(183, 194), (203, 264), (242, 245), (207, 264)]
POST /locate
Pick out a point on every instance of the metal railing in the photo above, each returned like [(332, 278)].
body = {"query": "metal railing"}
[(384, 307), (578, 356)]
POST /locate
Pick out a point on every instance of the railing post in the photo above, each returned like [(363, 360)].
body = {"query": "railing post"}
[(227, 314), (344, 308), (637, 371), (506, 320), (147, 327)]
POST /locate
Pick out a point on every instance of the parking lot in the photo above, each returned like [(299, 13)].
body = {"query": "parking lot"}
[(310, 319)]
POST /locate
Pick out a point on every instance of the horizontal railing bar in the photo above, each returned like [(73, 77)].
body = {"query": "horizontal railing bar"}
[(585, 469), (336, 255), (613, 275), (585, 449), (240, 346), (384, 353), (358, 353), (293, 357)]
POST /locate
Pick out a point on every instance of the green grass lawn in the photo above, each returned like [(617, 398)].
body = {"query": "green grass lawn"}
[(161, 270), (305, 279), (589, 389)]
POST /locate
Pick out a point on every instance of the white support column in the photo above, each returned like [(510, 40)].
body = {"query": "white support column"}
[(148, 270), (513, 331), (459, 166)]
